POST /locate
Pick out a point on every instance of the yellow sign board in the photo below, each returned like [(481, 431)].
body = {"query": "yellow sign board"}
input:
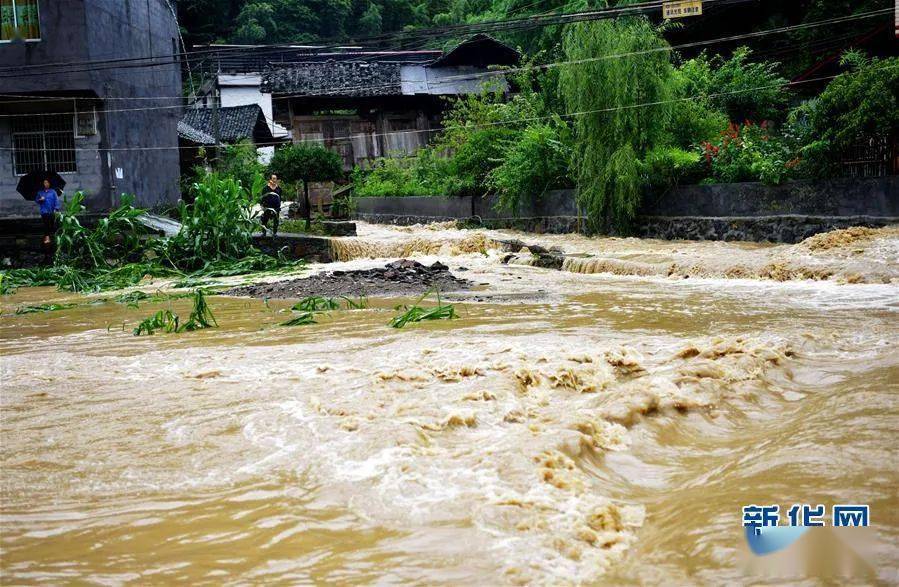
[(681, 8)]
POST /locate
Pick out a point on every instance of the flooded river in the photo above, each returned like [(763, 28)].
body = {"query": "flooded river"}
[(600, 424)]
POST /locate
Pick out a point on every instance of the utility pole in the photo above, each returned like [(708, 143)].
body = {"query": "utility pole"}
[(216, 115)]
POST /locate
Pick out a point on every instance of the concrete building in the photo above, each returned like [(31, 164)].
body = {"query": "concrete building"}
[(108, 127), (232, 79)]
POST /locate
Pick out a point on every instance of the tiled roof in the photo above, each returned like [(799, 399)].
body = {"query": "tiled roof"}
[(480, 51), (334, 78), (186, 131), (235, 124), (376, 73)]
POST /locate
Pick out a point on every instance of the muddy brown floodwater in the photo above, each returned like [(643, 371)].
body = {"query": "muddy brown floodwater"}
[(600, 424)]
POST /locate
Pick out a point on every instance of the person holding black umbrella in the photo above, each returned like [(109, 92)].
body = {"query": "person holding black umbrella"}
[(48, 200), (43, 187)]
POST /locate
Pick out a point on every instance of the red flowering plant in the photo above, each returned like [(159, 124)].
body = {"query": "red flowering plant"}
[(751, 152)]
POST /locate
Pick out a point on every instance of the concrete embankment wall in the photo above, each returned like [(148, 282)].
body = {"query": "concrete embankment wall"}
[(743, 211)]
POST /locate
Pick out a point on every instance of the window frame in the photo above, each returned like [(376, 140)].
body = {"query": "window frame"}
[(43, 133), (15, 17), (76, 127)]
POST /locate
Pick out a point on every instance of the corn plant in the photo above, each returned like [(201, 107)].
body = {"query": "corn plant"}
[(301, 320), (416, 313), (316, 304), (218, 224), (200, 317), (164, 320), (114, 239), (361, 303)]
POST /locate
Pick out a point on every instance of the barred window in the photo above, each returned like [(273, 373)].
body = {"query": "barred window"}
[(19, 19), (44, 142)]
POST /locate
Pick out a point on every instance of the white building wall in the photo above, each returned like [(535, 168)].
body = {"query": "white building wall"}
[(244, 89)]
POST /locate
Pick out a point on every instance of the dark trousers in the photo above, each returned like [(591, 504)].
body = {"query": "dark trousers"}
[(49, 222), (270, 215)]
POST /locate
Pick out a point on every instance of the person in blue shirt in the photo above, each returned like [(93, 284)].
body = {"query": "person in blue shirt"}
[(49, 204)]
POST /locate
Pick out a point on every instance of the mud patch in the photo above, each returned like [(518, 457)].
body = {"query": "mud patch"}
[(403, 277)]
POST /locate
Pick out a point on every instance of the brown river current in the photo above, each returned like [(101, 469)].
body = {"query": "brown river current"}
[(600, 424)]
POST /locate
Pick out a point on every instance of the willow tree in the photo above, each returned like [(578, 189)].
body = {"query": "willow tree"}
[(617, 92)]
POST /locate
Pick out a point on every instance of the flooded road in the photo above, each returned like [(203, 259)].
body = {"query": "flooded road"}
[(576, 426)]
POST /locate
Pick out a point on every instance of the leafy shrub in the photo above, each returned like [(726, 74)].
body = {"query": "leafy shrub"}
[(240, 161), (388, 177), (695, 119), (862, 102), (474, 159), (741, 88), (665, 167), (530, 165), (749, 152)]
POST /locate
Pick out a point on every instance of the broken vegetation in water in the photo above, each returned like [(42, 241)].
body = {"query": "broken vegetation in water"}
[(44, 308), (133, 299), (316, 304), (311, 305), (301, 320), (164, 320), (200, 317), (416, 313), (215, 240)]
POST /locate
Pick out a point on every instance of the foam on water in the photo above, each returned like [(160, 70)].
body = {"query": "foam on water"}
[(540, 436)]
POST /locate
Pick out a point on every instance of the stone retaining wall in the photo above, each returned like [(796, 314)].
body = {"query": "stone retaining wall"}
[(743, 211)]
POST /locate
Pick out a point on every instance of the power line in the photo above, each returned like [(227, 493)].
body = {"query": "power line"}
[(503, 72), (501, 25), (500, 123)]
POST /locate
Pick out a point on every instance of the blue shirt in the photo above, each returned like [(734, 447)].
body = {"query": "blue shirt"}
[(48, 200)]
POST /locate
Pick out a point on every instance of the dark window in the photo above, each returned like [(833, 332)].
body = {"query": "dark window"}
[(19, 19), (44, 142)]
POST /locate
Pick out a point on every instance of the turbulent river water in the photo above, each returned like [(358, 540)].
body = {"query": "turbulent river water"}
[(600, 424)]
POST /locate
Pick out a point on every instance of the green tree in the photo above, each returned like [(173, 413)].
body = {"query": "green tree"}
[(742, 88), (862, 102), (240, 161), (611, 132), (535, 162), (307, 163)]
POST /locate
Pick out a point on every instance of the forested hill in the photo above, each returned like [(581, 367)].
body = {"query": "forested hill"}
[(310, 21)]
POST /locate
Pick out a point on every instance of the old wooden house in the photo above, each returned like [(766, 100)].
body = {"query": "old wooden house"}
[(368, 104)]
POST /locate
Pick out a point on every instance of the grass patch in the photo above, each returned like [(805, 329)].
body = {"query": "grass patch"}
[(417, 313)]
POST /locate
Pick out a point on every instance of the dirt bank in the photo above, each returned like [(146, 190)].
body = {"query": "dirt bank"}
[(403, 277)]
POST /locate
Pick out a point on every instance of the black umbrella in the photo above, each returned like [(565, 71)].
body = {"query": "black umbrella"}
[(31, 183)]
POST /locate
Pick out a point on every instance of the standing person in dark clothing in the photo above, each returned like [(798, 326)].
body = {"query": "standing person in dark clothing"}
[(48, 201), (271, 204)]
